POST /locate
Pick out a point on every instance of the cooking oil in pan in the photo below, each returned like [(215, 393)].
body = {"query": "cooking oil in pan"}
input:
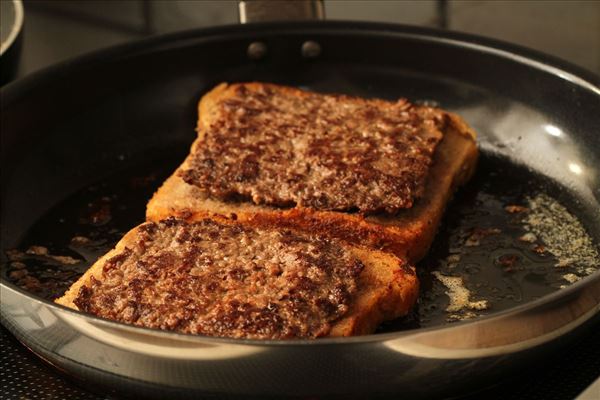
[(504, 241)]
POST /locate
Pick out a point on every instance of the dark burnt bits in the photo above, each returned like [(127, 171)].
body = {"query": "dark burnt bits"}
[(225, 280), (328, 152), (98, 212), (508, 262), (39, 271)]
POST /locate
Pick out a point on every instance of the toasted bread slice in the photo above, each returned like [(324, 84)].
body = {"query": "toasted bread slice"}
[(407, 233), (220, 278)]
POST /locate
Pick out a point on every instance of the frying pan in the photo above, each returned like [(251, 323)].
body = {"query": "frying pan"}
[(73, 124)]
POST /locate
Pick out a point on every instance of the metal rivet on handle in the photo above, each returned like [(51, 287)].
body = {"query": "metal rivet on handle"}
[(311, 49), (257, 50)]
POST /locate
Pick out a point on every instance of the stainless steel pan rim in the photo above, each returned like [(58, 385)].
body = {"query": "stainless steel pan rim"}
[(535, 59), (495, 318)]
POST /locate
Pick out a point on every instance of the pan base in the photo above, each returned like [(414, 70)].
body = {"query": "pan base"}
[(488, 256)]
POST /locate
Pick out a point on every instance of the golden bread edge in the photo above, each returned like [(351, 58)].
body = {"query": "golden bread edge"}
[(95, 271)]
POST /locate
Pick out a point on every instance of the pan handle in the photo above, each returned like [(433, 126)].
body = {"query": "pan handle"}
[(270, 10)]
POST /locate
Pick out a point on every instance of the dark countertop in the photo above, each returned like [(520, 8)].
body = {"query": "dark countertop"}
[(562, 377)]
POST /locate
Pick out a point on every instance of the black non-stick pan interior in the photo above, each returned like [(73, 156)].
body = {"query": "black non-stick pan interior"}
[(85, 145)]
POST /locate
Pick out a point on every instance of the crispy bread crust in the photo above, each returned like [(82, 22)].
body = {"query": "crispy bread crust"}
[(388, 288), (407, 234)]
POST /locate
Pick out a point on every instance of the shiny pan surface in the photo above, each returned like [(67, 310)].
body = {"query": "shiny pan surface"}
[(66, 126)]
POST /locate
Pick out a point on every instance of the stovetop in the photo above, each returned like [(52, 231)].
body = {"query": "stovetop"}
[(562, 376)]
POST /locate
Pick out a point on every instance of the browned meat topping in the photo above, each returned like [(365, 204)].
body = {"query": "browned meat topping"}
[(225, 280), (328, 152)]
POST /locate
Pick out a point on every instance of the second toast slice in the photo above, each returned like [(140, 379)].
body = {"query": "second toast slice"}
[(435, 152)]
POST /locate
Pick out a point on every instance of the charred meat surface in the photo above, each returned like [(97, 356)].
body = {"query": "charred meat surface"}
[(225, 280), (284, 147)]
